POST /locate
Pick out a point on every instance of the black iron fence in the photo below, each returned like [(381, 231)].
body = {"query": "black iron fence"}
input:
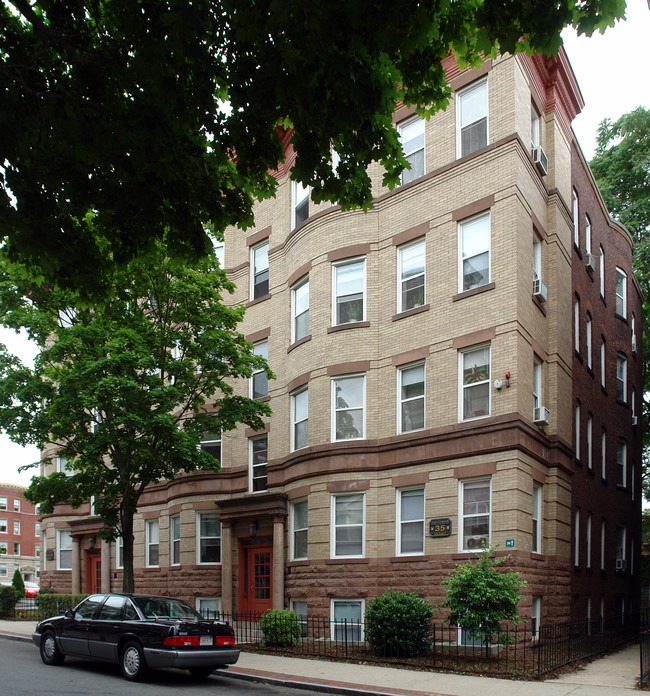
[(644, 643)]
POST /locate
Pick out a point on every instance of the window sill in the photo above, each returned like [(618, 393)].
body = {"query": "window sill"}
[(539, 304), (350, 325), (407, 559), (472, 292), (622, 318), (299, 342), (257, 300), (410, 312), (577, 249), (577, 354), (346, 561)]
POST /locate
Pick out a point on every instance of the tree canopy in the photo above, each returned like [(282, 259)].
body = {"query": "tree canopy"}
[(124, 391), (621, 166), (159, 116)]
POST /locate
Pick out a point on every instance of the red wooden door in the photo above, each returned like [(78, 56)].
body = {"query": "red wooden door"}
[(256, 567), (93, 572)]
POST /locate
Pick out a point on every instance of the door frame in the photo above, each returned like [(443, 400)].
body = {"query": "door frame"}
[(247, 602)]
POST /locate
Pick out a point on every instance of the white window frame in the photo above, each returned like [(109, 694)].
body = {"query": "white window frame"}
[(297, 604), (301, 285), (4, 528), (152, 542), (254, 468), (537, 384), (576, 538), (16, 527), (295, 530), (199, 538), (334, 527), (576, 325), (577, 431), (335, 409), (603, 454), (119, 552), (535, 127), (461, 95), (16, 504), (601, 272), (401, 523), (588, 534), (537, 518), (419, 245), (410, 152), (63, 545), (299, 195), (621, 543), (261, 348), (621, 293), (296, 397), (587, 234), (219, 248), (334, 624), (621, 462), (603, 529), (535, 615), (358, 261), (481, 219), (3, 570), (209, 440), (588, 332), (590, 449), (603, 363), (462, 485), (576, 219), (621, 378), (633, 333), (3, 502), (4, 548), (403, 402), (537, 257), (255, 272), (462, 386), (62, 468), (174, 541), (214, 613)]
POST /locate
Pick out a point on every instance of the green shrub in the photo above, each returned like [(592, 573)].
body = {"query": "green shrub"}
[(50, 604), (280, 628), (18, 583), (8, 599), (398, 623)]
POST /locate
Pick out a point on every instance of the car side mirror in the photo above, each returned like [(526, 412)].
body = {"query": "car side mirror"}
[(69, 614)]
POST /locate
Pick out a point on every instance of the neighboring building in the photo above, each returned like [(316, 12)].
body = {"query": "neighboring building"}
[(426, 371), (20, 535)]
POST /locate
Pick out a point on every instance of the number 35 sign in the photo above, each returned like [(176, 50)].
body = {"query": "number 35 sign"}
[(440, 527)]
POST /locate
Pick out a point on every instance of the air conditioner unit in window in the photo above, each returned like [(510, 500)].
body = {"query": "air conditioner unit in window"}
[(635, 420), (541, 415), (620, 564), (539, 289), (541, 160), (634, 343), (475, 542), (590, 261)]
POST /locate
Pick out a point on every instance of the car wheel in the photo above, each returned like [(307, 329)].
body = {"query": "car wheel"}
[(201, 672), (132, 662), (50, 653)]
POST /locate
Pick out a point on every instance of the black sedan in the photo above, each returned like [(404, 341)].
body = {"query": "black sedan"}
[(139, 632)]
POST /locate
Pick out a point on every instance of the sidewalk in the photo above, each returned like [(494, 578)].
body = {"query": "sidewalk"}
[(614, 675)]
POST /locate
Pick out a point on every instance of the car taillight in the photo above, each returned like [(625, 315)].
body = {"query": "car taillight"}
[(182, 641), (225, 640)]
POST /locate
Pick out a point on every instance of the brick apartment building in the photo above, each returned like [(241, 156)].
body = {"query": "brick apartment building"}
[(20, 535), (459, 366)]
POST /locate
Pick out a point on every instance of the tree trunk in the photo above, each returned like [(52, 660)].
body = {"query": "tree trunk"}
[(126, 520)]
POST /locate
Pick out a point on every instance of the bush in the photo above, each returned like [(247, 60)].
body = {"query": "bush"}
[(50, 604), (280, 628), (8, 599), (18, 583), (398, 623)]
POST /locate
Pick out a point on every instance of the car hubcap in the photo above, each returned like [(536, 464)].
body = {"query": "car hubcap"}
[(48, 647), (131, 661)]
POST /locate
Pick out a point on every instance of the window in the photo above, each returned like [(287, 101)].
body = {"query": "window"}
[(3, 548), (621, 378), (209, 607), (410, 525), (411, 265), (299, 203), (621, 293), (16, 527), (63, 467), (3, 570), (588, 547), (411, 135), (577, 431), (175, 539), (602, 545), (603, 455), (537, 384), (219, 252), (587, 234), (208, 537), (64, 549), (588, 615), (474, 242), (576, 538), (299, 608), (151, 543), (299, 420), (601, 272), (299, 529), (260, 275), (300, 310), (3, 502), (349, 281), (3, 526), (621, 462), (603, 365), (576, 221), (621, 556), (347, 619), (472, 118), (37, 550), (633, 404), (535, 615), (258, 458), (475, 514), (537, 258), (534, 127), (588, 338), (590, 424), (576, 325), (211, 443), (347, 525), (537, 519), (633, 332), (348, 408), (411, 398), (259, 382), (475, 386), (119, 552), (16, 504)]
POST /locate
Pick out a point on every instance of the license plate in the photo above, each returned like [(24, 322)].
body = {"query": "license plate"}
[(205, 640)]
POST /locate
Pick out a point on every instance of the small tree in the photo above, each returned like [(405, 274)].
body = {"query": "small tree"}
[(397, 623), (480, 596), (18, 583)]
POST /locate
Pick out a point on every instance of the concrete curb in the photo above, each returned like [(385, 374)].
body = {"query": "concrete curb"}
[(16, 636)]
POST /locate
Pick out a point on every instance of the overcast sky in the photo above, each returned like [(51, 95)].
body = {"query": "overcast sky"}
[(613, 77)]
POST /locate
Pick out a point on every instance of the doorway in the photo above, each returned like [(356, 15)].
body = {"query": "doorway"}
[(255, 578), (93, 572)]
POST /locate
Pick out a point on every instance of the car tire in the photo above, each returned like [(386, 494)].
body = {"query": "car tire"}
[(201, 672), (132, 662), (50, 653)]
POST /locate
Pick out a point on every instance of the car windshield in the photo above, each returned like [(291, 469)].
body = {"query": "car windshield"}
[(164, 608)]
